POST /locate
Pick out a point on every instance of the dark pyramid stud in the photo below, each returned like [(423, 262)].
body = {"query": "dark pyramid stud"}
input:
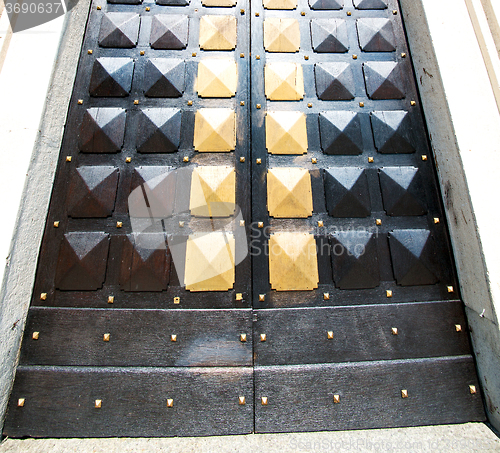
[(119, 30), (376, 35), (402, 191), (340, 132), (355, 260), (126, 2), (392, 132), (412, 253), (102, 130), (334, 81), (169, 31), (346, 192), (159, 130), (383, 80), (173, 2), (92, 191), (145, 263), (370, 4), (153, 192), (164, 77), (82, 261), (326, 4), (329, 35), (111, 77)]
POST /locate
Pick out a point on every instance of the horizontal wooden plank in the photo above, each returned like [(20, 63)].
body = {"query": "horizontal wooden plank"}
[(295, 336), (137, 337), (301, 398), (60, 402)]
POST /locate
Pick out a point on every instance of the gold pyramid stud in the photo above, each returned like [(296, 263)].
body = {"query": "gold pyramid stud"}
[(394, 330), (243, 337), (106, 337), (450, 289), (336, 399), (213, 191), (283, 81), (472, 389), (217, 32), (223, 3), (458, 328), (98, 404), (262, 297), (217, 78), (404, 393), (214, 130), (293, 264), (280, 4), (35, 335), (210, 261), (170, 402), (56, 224), (326, 296), (241, 400), (281, 35), (330, 335), (20, 402), (289, 193), (173, 338), (263, 400), (388, 293), (43, 296), (111, 299), (286, 133), (263, 337)]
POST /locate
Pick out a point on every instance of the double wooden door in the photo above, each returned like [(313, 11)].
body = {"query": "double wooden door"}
[(245, 232)]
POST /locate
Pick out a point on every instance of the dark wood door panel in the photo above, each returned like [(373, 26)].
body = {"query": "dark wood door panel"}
[(360, 333), (61, 402), (369, 395), (83, 337)]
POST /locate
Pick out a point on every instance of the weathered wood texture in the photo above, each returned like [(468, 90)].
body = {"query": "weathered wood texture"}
[(138, 337), (60, 402), (295, 336), (301, 398)]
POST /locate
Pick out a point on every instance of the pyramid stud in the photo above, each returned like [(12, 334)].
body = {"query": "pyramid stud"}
[(293, 264), (346, 191), (159, 130), (330, 335), (213, 191), (111, 299), (190, 103), (458, 328), (258, 161), (340, 132), (383, 80), (119, 224), (378, 222), (260, 224), (68, 158), (242, 223), (280, 4), (106, 337), (82, 261), (92, 191), (210, 262), (217, 78), (128, 160), (43, 296), (21, 402), (284, 81), (164, 77), (394, 331), (98, 404), (424, 158), (289, 193), (450, 289), (334, 81), (263, 400), (119, 30), (370, 4), (402, 192), (436, 220), (361, 104), (185, 159), (281, 35), (404, 393), (413, 103), (472, 389), (170, 402), (35, 335), (355, 260), (215, 130), (388, 293), (286, 132), (412, 253), (173, 338), (376, 35), (217, 32), (262, 297), (326, 296), (392, 132), (242, 159), (243, 337), (80, 102), (56, 224), (329, 35), (241, 401), (102, 130), (320, 224), (263, 337), (326, 4), (169, 31), (239, 296), (111, 77), (336, 399)]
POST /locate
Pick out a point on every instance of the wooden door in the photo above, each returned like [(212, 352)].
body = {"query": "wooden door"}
[(245, 232)]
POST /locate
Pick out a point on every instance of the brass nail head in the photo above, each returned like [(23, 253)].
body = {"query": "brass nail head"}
[(242, 55), (388, 293), (424, 157), (241, 401), (190, 102), (20, 402), (403, 54), (306, 57), (263, 337), (309, 105), (413, 103), (80, 101), (173, 338), (98, 404), (239, 296), (472, 389), (185, 159), (181, 224), (119, 224), (257, 57), (242, 103), (56, 224), (314, 160), (111, 299), (242, 11), (148, 8), (354, 57), (404, 393), (170, 402), (349, 13), (262, 297), (243, 337), (68, 158), (394, 330), (193, 54), (136, 101), (394, 11), (177, 300), (330, 335), (35, 335), (361, 104), (43, 296), (106, 337), (450, 289), (378, 222), (128, 160), (89, 51), (320, 223), (326, 296), (263, 400), (259, 160), (98, 8), (258, 106), (257, 14), (436, 220), (242, 159), (242, 223), (260, 224), (458, 327), (302, 13), (336, 399), (142, 52)]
